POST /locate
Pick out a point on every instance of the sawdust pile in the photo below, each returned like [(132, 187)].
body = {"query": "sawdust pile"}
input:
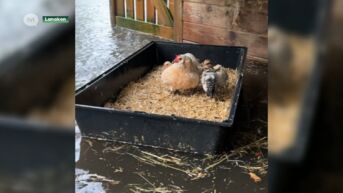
[(149, 95)]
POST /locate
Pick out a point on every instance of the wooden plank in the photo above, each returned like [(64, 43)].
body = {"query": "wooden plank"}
[(208, 2), (204, 34), (257, 44), (172, 8), (161, 20), (252, 22), (261, 4), (120, 8), (257, 6), (250, 16), (140, 9), (164, 15), (178, 23), (129, 8), (211, 15), (151, 11), (244, 18), (162, 31)]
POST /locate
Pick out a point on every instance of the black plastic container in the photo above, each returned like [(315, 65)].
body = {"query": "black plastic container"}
[(310, 24), (38, 157), (149, 129), (284, 166)]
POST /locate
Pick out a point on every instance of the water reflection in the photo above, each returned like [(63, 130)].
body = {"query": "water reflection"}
[(98, 45), (84, 185)]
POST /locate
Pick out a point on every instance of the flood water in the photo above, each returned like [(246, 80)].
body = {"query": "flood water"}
[(104, 166), (115, 167)]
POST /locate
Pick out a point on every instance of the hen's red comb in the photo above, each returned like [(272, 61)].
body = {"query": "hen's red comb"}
[(177, 58)]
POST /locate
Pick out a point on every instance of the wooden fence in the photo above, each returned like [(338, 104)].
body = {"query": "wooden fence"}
[(158, 17)]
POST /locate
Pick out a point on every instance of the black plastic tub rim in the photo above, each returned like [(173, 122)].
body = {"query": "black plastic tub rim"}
[(226, 123), (234, 100)]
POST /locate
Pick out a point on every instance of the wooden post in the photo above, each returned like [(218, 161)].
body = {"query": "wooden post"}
[(178, 21), (166, 17), (113, 12)]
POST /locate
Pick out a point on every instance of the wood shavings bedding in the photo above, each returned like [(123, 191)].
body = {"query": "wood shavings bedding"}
[(149, 95)]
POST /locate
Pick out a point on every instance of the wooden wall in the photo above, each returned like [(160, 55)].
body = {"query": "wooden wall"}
[(227, 22)]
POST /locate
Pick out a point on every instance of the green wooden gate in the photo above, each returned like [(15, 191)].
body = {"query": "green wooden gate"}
[(158, 17)]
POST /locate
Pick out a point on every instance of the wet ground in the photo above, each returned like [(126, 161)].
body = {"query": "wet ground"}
[(103, 166), (99, 46), (115, 167)]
